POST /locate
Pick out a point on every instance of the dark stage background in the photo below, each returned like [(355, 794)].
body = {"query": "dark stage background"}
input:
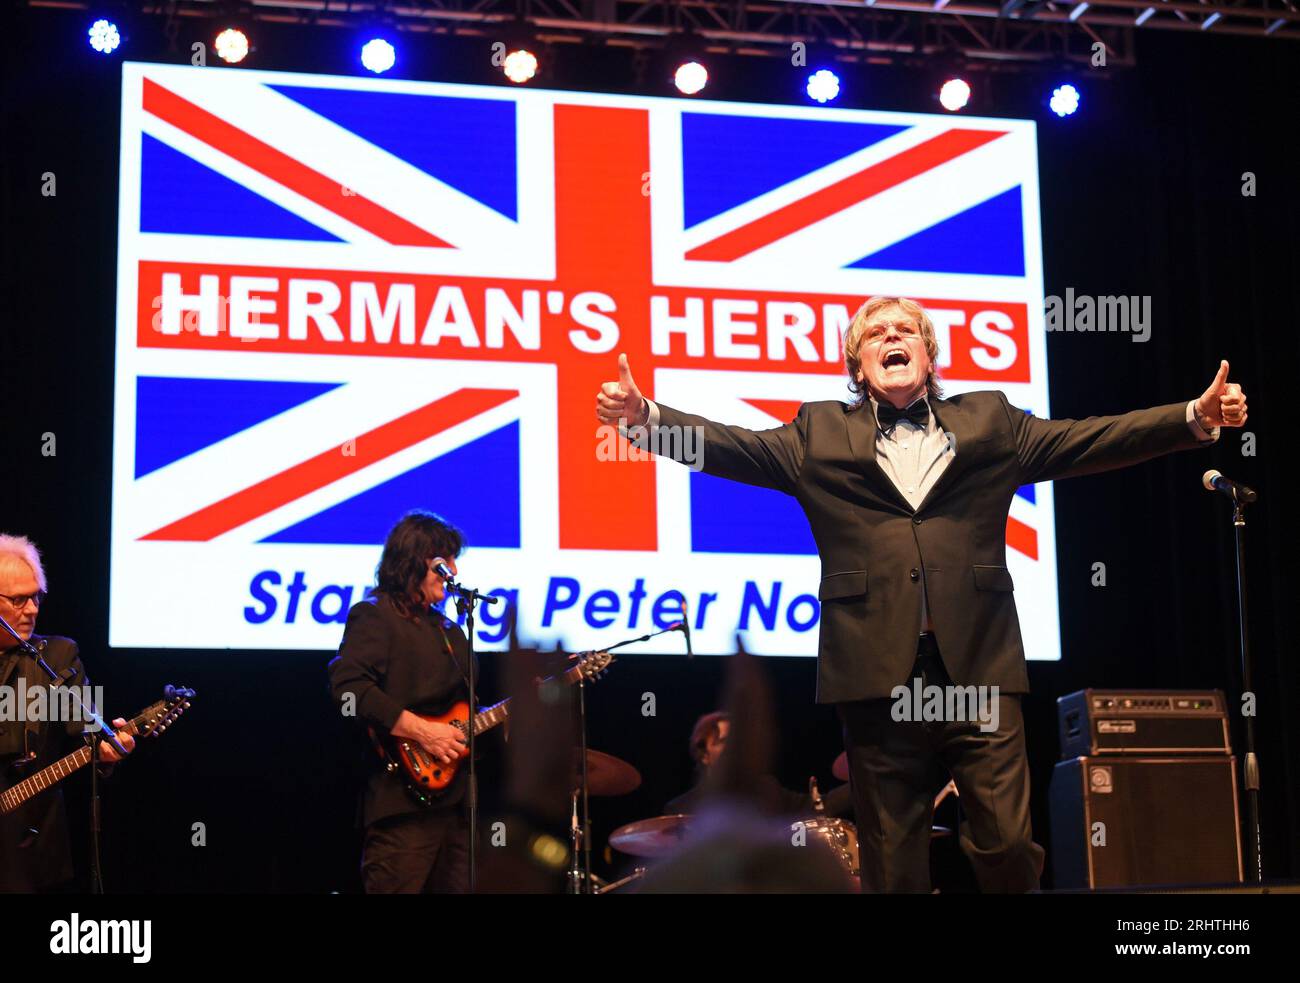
[(1141, 194)]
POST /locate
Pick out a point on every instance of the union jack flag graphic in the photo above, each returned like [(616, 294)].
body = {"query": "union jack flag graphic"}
[(339, 299)]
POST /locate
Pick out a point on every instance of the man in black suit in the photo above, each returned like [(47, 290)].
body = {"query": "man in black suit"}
[(35, 854), (400, 658), (907, 495)]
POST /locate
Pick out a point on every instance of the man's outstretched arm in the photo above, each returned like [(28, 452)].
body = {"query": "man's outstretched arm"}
[(1050, 449), (769, 458)]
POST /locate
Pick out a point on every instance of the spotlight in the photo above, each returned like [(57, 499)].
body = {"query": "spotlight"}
[(104, 36), (520, 65), (232, 45), (954, 94), (690, 77), (1064, 101), (823, 85), (378, 55)]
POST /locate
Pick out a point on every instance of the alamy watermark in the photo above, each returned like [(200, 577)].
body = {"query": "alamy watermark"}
[(682, 444), (48, 702), (1084, 312), (918, 702)]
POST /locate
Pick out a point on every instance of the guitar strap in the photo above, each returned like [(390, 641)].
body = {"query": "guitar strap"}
[(446, 644)]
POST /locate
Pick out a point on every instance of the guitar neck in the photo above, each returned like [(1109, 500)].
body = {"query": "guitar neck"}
[(497, 713), (15, 796)]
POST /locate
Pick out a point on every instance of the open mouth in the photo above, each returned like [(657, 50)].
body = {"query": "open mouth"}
[(895, 358)]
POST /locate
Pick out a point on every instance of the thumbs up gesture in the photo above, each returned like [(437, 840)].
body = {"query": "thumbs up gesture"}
[(1223, 404), (621, 402)]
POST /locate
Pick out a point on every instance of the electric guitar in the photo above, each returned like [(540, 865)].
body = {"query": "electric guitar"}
[(151, 722), (423, 774)]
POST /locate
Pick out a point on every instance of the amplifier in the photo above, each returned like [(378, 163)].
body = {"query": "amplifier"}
[(1112, 721), (1132, 821)]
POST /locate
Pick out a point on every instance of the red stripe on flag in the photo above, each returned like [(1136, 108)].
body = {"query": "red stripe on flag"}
[(283, 169), (784, 410), (331, 465), (842, 194), (1022, 538)]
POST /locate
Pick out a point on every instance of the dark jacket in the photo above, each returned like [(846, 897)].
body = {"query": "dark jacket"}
[(35, 861), (390, 664), (873, 544)]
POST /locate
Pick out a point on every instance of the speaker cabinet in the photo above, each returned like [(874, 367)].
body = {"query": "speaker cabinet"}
[(1141, 821)]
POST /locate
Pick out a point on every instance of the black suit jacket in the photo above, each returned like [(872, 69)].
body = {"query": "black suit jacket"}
[(391, 663), (37, 861), (873, 544)]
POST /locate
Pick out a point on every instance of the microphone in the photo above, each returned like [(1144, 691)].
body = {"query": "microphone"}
[(1214, 481), (685, 626), (444, 571)]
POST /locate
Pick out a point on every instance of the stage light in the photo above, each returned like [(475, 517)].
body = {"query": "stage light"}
[(104, 36), (690, 77), (520, 65), (232, 45), (954, 94), (378, 55), (823, 85), (1064, 101)]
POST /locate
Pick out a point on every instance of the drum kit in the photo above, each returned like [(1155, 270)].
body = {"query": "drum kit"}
[(662, 836)]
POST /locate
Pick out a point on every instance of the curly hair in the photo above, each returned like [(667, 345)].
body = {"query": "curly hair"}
[(416, 539)]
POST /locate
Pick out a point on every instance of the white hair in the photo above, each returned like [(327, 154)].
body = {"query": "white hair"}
[(22, 548)]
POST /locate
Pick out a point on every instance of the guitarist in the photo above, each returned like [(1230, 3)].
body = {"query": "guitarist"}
[(35, 853), (399, 658)]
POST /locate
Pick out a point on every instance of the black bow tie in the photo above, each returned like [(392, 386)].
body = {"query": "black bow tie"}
[(887, 416)]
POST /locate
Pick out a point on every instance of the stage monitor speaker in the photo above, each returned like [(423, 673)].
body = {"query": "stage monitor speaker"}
[(1143, 821)]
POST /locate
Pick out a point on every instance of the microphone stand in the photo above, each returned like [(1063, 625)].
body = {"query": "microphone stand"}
[(680, 626), (580, 881), (91, 716), (466, 599), (1250, 774)]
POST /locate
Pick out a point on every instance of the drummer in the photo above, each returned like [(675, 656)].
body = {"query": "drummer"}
[(709, 741)]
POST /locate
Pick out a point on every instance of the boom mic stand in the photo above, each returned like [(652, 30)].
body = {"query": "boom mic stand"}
[(580, 880)]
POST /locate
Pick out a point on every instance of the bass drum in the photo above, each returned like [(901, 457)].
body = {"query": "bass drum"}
[(840, 835)]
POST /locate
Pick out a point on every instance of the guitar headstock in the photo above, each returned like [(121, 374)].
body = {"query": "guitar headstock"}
[(591, 665), (157, 717)]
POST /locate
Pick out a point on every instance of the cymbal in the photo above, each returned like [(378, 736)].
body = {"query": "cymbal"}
[(655, 837), (606, 774)]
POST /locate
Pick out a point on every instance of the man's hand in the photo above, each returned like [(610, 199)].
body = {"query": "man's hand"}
[(1223, 404), (621, 402), (108, 753), (445, 742)]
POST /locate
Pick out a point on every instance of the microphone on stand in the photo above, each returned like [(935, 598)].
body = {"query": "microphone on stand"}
[(684, 626), (1215, 481), (444, 571)]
